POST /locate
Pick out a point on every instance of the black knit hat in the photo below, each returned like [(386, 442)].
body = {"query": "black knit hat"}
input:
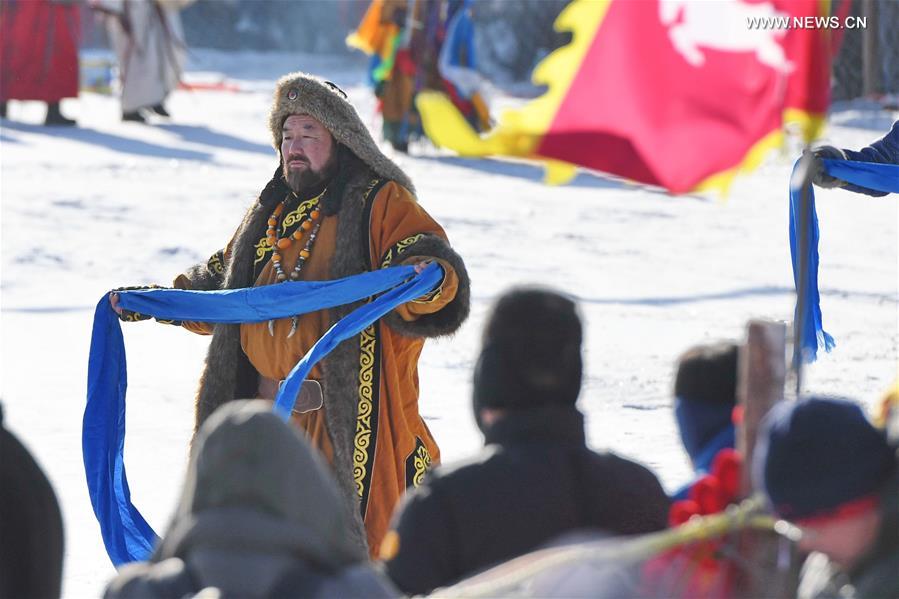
[(531, 353), (814, 455), (705, 392), (708, 373)]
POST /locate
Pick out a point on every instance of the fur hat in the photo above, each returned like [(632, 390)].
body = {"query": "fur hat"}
[(301, 93), (246, 458), (531, 352), (815, 455)]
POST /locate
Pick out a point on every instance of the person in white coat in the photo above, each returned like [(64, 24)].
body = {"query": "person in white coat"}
[(149, 41)]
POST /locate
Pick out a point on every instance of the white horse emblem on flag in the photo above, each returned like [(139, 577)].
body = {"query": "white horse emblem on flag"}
[(724, 25)]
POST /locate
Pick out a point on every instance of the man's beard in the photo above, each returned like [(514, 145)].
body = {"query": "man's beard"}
[(307, 179)]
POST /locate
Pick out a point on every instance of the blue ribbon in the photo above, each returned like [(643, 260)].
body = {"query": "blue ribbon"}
[(126, 534), (880, 177), (348, 326)]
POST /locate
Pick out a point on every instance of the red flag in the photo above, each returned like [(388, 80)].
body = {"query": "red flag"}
[(812, 50), (676, 93)]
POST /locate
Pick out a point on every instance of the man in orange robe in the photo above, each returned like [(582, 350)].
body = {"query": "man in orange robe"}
[(336, 206)]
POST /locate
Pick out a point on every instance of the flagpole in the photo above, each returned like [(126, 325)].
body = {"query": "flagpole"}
[(800, 315)]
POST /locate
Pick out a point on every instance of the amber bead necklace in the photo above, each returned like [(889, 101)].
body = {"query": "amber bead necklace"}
[(311, 221)]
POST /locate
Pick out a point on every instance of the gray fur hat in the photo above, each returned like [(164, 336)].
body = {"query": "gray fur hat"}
[(245, 459), (301, 93)]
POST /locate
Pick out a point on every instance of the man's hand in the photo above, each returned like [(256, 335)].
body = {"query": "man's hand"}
[(818, 174), (420, 266), (128, 315), (114, 302)]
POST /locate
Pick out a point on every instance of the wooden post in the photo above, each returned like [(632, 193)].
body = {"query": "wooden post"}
[(870, 51), (761, 373)]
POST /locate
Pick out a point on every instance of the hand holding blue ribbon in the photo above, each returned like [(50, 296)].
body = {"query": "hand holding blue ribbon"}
[(126, 534), (881, 177)]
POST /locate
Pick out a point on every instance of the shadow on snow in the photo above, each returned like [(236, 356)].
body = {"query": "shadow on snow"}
[(109, 141), (665, 301), (527, 171), (198, 134)]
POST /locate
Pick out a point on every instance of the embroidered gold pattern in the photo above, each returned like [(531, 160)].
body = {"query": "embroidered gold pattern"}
[(262, 248), (366, 436), (399, 248), (297, 215), (422, 462), (368, 189), (216, 263), (362, 440), (430, 297)]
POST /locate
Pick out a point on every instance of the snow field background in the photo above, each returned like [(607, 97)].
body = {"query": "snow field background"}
[(109, 203)]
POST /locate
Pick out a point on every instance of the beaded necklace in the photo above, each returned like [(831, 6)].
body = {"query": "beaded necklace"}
[(310, 221)]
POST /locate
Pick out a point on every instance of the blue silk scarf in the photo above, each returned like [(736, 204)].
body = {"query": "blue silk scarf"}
[(882, 177), (126, 534)]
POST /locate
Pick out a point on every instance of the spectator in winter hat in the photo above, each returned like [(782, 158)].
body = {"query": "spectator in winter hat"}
[(149, 41), (31, 531), (260, 516), (705, 393), (824, 467), (536, 478), (884, 151)]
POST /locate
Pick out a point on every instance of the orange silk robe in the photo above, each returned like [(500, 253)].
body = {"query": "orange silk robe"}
[(403, 446)]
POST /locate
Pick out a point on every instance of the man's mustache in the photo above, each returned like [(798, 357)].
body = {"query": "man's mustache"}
[(297, 157)]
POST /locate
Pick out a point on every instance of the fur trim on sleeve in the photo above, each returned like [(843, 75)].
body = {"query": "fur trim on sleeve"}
[(448, 319), (207, 276)]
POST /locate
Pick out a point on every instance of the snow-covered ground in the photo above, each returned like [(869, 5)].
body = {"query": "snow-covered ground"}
[(111, 203)]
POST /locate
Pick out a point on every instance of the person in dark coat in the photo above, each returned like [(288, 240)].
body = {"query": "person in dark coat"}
[(536, 478), (257, 518), (883, 151), (828, 470), (31, 530), (705, 393)]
